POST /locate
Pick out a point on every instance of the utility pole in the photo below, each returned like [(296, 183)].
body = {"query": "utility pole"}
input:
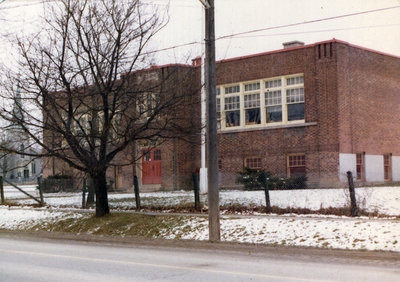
[(212, 144)]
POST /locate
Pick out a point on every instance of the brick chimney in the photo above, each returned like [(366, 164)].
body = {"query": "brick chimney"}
[(196, 62), (291, 44)]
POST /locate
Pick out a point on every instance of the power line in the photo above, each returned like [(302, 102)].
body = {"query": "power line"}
[(276, 27), (308, 22), (239, 34), (316, 31)]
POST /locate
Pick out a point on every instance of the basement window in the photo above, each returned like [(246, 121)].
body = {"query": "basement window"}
[(252, 162), (296, 165)]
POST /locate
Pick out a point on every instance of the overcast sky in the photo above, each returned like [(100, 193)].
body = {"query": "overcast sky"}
[(375, 30)]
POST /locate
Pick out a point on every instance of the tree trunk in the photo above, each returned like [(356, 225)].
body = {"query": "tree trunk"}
[(100, 185)]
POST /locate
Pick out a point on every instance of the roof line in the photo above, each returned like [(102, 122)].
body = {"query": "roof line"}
[(156, 67), (303, 47)]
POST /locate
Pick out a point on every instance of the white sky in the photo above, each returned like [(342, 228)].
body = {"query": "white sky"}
[(378, 30)]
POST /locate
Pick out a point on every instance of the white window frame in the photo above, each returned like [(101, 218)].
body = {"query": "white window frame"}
[(148, 101), (263, 110)]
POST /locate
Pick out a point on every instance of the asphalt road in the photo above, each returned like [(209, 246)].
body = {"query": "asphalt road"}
[(27, 259)]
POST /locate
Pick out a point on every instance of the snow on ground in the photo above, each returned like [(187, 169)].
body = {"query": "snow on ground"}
[(313, 231), (384, 200), (20, 219), (348, 233), (341, 233)]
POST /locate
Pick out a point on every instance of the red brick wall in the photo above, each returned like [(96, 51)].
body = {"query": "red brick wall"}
[(369, 95), (318, 140), (181, 155), (352, 105), (352, 95)]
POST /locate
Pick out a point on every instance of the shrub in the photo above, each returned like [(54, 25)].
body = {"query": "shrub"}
[(299, 182), (57, 183), (59, 176), (252, 180)]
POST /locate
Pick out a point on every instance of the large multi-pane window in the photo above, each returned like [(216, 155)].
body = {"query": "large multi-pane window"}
[(265, 102)]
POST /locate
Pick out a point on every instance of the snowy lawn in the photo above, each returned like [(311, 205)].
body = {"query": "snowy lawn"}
[(383, 200), (323, 232), (313, 231)]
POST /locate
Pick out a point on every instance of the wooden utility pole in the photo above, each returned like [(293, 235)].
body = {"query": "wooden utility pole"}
[(212, 146)]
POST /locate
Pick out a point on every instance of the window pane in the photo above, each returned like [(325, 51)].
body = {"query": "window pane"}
[(253, 116), (295, 80), (232, 103), (295, 95), (297, 171), (297, 165), (274, 114), (254, 163), (232, 118), (232, 89), (147, 156), (252, 86), (273, 83), (295, 111), (273, 98), (157, 155), (251, 101)]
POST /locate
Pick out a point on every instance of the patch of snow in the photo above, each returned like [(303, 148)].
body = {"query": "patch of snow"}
[(384, 200), (327, 231), (17, 218)]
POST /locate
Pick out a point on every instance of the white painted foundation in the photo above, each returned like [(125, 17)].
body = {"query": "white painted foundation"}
[(395, 168), (347, 162), (374, 168), (374, 171)]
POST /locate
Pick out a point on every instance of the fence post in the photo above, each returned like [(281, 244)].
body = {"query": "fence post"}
[(40, 190), (353, 209), (2, 190), (196, 191), (137, 196), (84, 193), (264, 180)]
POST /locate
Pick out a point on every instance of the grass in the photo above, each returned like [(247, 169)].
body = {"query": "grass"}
[(230, 209), (116, 224), (343, 211)]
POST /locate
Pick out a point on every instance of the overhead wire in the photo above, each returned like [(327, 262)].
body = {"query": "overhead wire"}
[(238, 35), (308, 22), (316, 31), (242, 34)]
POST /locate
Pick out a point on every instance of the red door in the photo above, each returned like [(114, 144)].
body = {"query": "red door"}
[(151, 166)]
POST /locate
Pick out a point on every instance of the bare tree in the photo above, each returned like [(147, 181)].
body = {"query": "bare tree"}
[(88, 98)]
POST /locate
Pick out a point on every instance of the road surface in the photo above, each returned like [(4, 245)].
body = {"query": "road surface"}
[(27, 259)]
